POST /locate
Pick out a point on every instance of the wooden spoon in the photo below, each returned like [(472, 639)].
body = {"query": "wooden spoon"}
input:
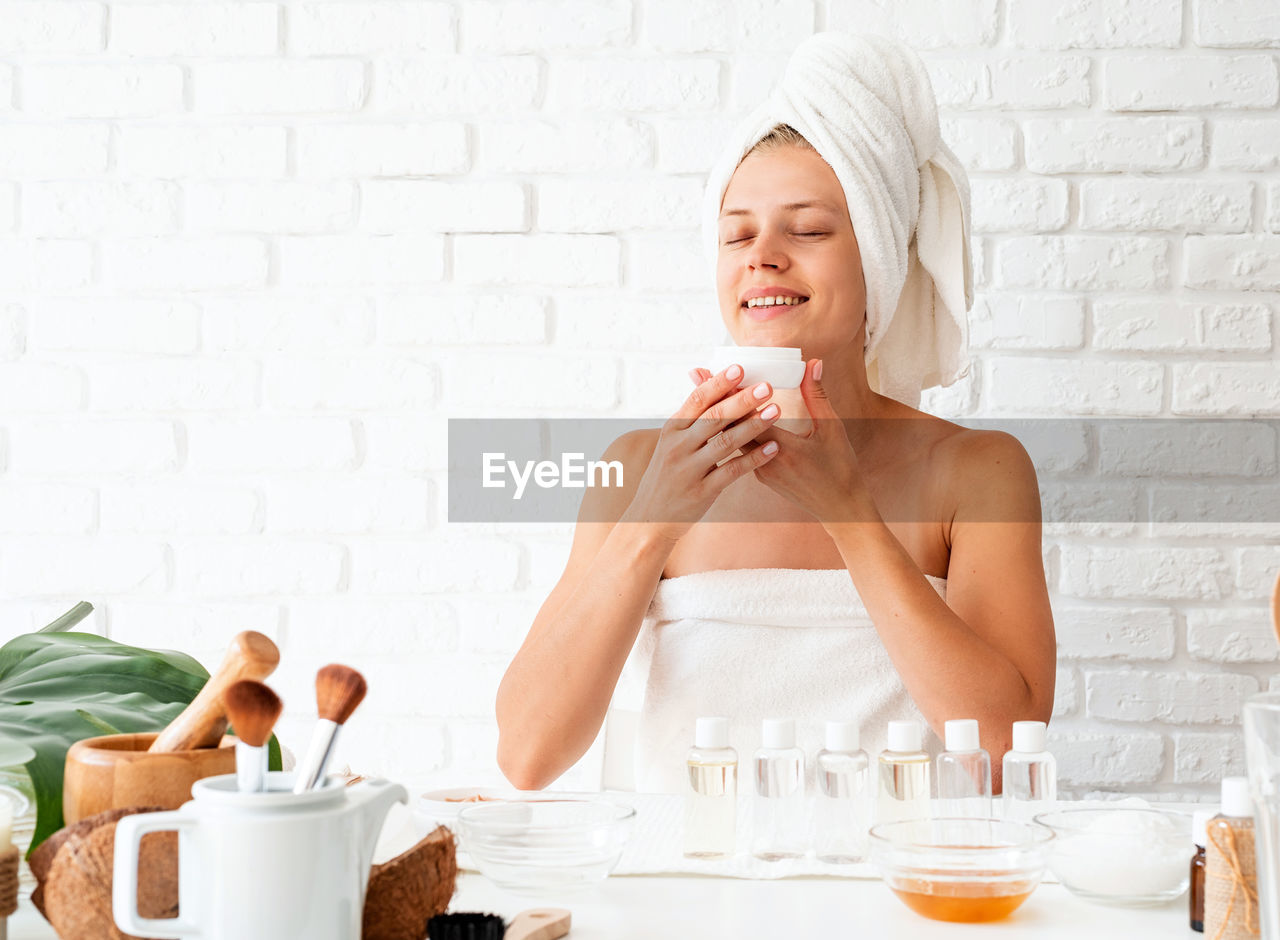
[(251, 655), (1275, 607)]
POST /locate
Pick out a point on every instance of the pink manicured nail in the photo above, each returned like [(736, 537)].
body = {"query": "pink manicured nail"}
[(761, 390), (817, 371), (733, 373), (771, 448), (770, 413)]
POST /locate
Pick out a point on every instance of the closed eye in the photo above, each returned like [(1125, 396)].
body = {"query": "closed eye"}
[(745, 237)]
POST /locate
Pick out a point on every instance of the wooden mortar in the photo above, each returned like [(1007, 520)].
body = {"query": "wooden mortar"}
[(117, 770)]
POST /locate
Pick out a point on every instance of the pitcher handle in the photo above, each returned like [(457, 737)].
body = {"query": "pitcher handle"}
[(124, 887)]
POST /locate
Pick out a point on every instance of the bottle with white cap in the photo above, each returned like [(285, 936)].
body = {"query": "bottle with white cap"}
[(778, 820), (1230, 868), (904, 774), (711, 801), (842, 807), (1030, 773), (964, 772)]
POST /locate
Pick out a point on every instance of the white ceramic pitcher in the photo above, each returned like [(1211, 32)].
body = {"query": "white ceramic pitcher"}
[(260, 866)]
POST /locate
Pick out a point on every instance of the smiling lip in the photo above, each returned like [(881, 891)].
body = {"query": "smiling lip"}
[(770, 313), (771, 291)]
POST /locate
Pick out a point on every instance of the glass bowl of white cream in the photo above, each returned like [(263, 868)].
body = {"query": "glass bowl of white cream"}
[(1122, 855)]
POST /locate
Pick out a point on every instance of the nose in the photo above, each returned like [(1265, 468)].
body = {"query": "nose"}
[(767, 251)]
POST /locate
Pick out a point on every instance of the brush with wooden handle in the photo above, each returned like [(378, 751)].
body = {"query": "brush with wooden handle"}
[(253, 709), (339, 689), (539, 923), (251, 655)]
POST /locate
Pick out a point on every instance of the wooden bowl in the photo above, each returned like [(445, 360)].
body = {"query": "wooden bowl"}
[(117, 770)]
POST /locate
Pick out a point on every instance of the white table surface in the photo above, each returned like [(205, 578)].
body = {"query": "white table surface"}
[(645, 907)]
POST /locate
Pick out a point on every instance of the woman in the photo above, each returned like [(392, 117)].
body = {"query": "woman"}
[(927, 531)]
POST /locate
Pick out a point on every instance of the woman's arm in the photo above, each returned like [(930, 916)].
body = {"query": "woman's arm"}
[(555, 693), (988, 651)]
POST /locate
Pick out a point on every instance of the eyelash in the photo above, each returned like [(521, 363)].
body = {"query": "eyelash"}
[(744, 238)]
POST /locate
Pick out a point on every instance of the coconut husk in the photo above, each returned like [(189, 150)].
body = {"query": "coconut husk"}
[(75, 894), (410, 889), (41, 859)]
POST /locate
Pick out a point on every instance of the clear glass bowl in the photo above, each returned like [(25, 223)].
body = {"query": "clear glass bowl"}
[(536, 846), (1133, 857), (961, 869)]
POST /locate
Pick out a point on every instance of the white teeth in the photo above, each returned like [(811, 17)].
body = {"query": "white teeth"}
[(773, 301)]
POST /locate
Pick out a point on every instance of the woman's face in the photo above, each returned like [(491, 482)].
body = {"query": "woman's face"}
[(767, 240)]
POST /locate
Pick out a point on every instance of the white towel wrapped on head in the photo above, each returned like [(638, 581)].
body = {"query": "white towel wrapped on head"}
[(866, 105), (756, 643)]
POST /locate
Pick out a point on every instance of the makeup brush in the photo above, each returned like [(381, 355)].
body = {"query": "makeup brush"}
[(339, 689), (253, 709)]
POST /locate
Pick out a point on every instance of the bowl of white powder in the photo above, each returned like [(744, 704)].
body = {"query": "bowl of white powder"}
[(1121, 855)]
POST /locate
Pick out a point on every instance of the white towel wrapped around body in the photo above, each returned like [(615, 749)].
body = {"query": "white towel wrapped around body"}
[(866, 105), (756, 643)]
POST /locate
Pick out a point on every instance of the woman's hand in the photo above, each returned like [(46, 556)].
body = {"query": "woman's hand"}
[(683, 479), (818, 469)]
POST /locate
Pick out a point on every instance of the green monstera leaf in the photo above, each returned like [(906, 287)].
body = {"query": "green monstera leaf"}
[(59, 687)]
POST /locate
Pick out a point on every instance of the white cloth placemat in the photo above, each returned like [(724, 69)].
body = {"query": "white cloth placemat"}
[(656, 846), (657, 836)]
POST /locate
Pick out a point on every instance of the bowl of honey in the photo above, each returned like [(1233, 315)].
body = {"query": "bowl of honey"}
[(961, 869)]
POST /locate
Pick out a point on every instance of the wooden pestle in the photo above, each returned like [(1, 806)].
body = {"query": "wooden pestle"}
[(251, 655)]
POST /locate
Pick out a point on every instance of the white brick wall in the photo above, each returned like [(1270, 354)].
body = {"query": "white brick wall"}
[(254, 254)]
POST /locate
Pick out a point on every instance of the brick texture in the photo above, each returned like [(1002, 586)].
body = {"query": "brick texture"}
[(254, 257)]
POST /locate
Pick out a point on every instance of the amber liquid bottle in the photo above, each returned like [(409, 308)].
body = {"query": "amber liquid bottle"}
[(1199, 819)]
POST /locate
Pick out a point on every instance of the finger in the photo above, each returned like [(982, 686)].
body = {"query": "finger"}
[(741, 435), (731, 470), (729, 410), (814, 394), (705, 395)]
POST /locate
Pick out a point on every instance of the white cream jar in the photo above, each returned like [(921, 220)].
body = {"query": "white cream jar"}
[(780, 366)]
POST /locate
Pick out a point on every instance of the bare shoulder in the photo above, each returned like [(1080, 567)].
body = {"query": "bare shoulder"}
[(633, 450), (989, 475)]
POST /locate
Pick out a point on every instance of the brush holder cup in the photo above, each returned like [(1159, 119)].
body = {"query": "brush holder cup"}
[(260, 866)]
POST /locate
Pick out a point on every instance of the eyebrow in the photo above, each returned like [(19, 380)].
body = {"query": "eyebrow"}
[(790, 207)]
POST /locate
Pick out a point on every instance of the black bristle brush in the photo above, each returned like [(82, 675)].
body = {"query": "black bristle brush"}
[(540, 923)]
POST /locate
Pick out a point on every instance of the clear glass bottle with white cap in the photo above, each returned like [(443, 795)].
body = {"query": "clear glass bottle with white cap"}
[(964, 772), (778, 829), (1030, 773), (903, 774), (842, 806), (711, 802)]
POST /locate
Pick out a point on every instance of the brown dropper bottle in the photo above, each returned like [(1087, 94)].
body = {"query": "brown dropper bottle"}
[(1199, 819)]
